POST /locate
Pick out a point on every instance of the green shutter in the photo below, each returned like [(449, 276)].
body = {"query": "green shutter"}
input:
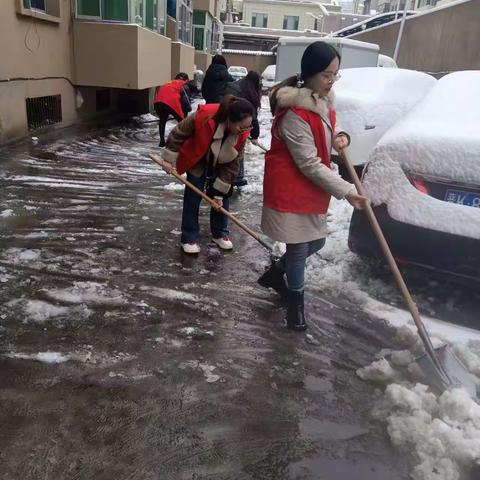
[(151, 14), (88, 8), (198, 34), (115, 10), (198, 17)]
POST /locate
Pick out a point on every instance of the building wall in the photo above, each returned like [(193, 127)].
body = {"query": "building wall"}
[(183, 58), (202, 60), (33, 49), (258, 63), (442, 40)]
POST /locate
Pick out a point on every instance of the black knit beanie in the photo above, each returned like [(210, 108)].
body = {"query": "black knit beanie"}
[(316, 58)]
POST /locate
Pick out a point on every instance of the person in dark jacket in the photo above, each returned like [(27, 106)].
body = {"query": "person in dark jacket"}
[(172, 99), (215, 81), (250, 89)]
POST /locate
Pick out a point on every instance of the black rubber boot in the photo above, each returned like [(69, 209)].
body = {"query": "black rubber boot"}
[(274, 278), (295, 311)]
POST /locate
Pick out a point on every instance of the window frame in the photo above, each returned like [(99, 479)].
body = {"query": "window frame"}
[(296, 22), (264, 17), (160, 15)]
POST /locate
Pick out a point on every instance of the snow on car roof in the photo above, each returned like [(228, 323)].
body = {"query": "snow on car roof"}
[(439, 136), (374, 97)]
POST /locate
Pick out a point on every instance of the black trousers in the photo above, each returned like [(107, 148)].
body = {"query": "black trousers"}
[(163, 112)]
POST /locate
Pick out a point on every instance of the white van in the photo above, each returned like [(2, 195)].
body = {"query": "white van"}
[(353, 52)]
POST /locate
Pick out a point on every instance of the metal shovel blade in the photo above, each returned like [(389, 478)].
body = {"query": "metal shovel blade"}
[(458, 375)]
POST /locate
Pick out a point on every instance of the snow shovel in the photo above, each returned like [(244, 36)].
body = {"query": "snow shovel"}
[(440, 365), (262, 239)]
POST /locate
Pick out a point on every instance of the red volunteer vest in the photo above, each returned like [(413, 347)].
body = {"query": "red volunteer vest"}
[(169, 94), (196, 147), (285, 188)]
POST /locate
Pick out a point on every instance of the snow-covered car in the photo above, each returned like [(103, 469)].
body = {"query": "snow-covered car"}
[(268, 78), (370, 100), (423, 178), (386, 62), (237, 72)]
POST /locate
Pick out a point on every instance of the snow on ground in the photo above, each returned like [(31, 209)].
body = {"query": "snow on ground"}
[(44, 357), (90, 293)]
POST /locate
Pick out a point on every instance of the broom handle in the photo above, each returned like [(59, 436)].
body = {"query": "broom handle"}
[(393, 265), (202, 194)]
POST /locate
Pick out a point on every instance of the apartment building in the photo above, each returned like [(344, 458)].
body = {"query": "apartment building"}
[(64, 61), (287, 14), (207, 31)]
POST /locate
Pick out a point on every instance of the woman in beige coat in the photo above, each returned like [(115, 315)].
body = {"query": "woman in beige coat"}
[(299, 180)]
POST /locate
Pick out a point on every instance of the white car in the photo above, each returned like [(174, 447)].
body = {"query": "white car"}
[(268, 78), (423, 177), (237, 72), (370, 100)]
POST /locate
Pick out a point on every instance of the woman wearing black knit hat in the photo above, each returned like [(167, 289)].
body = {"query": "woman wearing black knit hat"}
[(299, 180)]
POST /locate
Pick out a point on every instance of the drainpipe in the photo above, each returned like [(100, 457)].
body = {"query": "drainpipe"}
[(400, 33)]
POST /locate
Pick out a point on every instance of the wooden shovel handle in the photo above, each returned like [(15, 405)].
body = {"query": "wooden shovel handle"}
[(202, 194), (393, 264)]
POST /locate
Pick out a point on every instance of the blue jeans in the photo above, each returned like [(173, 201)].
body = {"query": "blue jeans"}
[(294, 260), (191, 207)]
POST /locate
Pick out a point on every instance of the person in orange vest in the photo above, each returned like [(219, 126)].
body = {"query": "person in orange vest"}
[(299, 180), (208, 145), (172, 99)]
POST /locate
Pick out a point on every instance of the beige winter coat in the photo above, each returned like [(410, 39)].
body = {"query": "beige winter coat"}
[(297, 135)]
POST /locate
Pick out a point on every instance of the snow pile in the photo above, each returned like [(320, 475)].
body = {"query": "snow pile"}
[(6, 213), (439, 137), (442, 434), (370, 100), (89, 293), (174, 186), (145, 118), (44, 357)]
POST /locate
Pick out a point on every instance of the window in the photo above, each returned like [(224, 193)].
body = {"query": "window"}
[(185, 25), (35, 5), (115, 10), (259, 20), (198, 37), (147, 13), (290, 22), (172, 8)]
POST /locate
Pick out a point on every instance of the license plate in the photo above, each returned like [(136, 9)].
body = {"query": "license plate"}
[(463, 198)]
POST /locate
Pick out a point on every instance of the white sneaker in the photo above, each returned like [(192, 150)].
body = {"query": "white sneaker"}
[(191, 248), (224, 243)]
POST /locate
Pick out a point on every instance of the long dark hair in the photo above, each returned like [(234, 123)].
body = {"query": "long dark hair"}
[(251, 88), (315, 59), (234, 109), (219, 60)]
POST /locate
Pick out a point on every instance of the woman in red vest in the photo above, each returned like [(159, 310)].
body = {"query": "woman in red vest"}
[(208, 146), (172, 99), (299, 180)]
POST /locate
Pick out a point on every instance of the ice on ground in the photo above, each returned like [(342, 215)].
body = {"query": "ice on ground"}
[(176, 295), (40, 311), (6, 213), (89, 293), (174, 186), (44, 357), (119, 229), (145, 118), (205, 368), (19, 255)]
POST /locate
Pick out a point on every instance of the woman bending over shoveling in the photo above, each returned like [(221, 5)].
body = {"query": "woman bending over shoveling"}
[(298, 178), (208, 146)]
